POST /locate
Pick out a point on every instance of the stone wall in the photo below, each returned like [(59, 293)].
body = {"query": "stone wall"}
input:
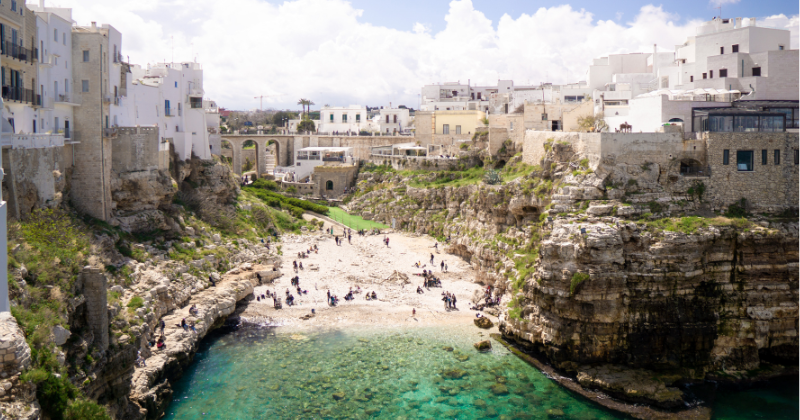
[(503, 127), (90, 191), (135, 149), (15, 355), (340, 176), (412, 163), (768, 188), (423, 121), (34, 179), (95, 291)]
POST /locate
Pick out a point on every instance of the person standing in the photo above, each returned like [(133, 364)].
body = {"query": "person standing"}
[(431, 259), (442, 265)]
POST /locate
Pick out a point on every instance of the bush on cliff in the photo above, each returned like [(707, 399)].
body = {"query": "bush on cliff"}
[(86, 410), (294, 205), (577, 279), (265, 184)]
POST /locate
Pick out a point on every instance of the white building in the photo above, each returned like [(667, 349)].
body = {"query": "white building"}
[(394, 121), (727, 60), (170, 96), (343, 120), (308, 158), (54, 30)]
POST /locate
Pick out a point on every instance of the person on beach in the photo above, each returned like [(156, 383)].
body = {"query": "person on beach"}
[(436, 246), (413, 311), (431, 259), (162, 325), (442, 265)]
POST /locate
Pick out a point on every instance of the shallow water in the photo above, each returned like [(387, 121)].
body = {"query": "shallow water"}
[(273, 373)]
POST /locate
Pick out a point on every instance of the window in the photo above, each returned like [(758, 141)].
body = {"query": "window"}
[(13, 5), (55, 88), (511, 125), (66, 86), (64, 38), (744, 160), (722, 50), (458, 129), (691, 78), (764, 156), (445, 128), (329, 185), (711, 74), (331, 118), (726, 156), (705, 76), (85, 56), (735, 48), (344, 118), (723, 73), (55, 35), (395, 119), (756, 71), (387, 119), (544, 117), (84, 85), (176, 84), (777, 156), (780, 47), (796, 156), (358, 118)]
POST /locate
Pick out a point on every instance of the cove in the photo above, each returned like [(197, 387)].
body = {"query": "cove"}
[(411, 373)]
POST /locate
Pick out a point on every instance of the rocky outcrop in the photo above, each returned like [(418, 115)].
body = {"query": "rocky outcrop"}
[(17, 398), (631, 384)]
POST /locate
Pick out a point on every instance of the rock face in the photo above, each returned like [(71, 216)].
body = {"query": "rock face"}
[(717, 300), (631, 384), (17, 399)]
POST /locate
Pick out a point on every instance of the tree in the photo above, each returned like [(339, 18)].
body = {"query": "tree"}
[(594, 123), (302, 102), (306, 126), (278, 117)]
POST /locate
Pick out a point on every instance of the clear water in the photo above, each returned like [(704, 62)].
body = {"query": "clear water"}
[(273, 373)]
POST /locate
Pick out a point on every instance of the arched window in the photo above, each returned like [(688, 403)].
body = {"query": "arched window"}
[(329, 185), (676, 120)]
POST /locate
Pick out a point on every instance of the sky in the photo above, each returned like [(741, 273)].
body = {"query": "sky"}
[(373, 52)]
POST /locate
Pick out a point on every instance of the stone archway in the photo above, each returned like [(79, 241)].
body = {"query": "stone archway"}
[(251, 159)]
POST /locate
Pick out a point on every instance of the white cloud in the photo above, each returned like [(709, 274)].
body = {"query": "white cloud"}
[(717, 3), (322, 50)]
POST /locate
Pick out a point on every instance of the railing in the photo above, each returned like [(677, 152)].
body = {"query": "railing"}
[(695, 171), (66, 98), (11, 93), (12, 50), (170, 112), (333, 159)]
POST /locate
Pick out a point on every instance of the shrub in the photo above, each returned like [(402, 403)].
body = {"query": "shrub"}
[(265, 184), (81, 409), (135, 303), (54, 394), (292, 189), (577, 279), (738, 209)]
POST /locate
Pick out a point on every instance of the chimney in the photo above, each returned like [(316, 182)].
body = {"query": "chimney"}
[(738, 22), (655, 57), (752, 21), (94, 25), (41, 4)]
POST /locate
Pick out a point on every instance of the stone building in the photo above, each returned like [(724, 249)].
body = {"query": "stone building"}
[(19, 66)]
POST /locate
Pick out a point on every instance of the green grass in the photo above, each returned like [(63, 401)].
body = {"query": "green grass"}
[(470, 176), (691, 224), (354, 222), (577, 279)]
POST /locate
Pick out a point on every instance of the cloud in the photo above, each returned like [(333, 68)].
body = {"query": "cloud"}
[(323, 50), (718, 3)]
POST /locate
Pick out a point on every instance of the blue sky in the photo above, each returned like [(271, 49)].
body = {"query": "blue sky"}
[(403, 15)]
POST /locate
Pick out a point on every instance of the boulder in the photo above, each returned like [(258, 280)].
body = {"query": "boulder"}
[(454, 373), (60, 335), (635, 385), (499, 389), (483, 322), (338, 396), (484, 345)]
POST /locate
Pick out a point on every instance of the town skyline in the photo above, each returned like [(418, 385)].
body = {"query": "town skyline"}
[(345, 53)]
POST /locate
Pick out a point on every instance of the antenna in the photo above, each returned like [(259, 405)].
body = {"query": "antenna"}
[(720, 10), (172, 39)]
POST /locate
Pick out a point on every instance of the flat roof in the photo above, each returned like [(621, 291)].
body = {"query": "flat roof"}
[(325, 149)]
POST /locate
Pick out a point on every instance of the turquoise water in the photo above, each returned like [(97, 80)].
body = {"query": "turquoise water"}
[(421, 373), (272, 374)]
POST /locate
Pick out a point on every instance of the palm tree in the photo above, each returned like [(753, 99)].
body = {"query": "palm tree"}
[(303, 103), (309, 102)]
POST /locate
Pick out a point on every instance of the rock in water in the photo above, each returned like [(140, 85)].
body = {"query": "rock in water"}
[(454, 373), (338, 395), (499, 389), (484, 345), (483, 322)]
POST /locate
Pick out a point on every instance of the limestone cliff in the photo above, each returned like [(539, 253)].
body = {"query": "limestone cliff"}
[(603, 265)]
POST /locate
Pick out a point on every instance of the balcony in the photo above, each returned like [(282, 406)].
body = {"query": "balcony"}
[(170, 112), (18, 94), (110, 132), (14, 51), (67, 98)]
